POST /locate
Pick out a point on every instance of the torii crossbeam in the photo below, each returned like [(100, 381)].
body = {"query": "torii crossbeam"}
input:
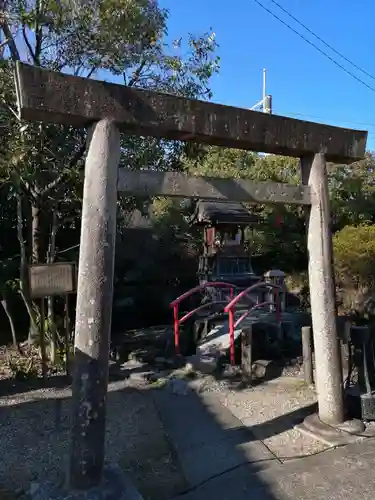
[(108, 108)]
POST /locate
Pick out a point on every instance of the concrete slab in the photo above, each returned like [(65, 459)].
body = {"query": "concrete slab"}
[(208, 439), (338, 474)]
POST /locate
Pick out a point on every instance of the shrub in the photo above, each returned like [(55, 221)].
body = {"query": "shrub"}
[(354, 254)]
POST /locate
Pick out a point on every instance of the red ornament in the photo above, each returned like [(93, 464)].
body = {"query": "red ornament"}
[(279, 220)]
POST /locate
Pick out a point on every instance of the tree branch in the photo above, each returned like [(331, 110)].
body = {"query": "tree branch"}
[(137, 74), (92, 71), (10, 109), (2, 45), (28, 45), (38, 32), (15, 55), (22, 184), (60, 178)]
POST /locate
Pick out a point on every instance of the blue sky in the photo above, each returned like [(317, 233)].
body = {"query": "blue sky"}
[(303, 83)]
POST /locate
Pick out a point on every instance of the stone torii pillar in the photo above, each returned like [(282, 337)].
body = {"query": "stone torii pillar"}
[(53, 97), (328, 364), (322, 293), (94, 306)]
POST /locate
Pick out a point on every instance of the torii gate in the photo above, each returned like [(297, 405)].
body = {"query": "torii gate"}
[(57, 98)]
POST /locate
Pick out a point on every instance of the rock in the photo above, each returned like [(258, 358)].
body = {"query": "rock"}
[(172, 362), (141, 376), (266, 369), (230, 372), (163, 362), (202, 363), (160, 360), (155, 376), (189, 367), (178, 387), (146, 355), (132, 365), (34, 487)]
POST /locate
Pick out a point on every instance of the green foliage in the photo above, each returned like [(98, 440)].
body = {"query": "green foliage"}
[(352, 192), (42, 164), (281, 246), (238, 164), (354, 254)]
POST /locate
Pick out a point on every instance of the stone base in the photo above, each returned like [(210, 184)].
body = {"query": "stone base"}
[(345, 433), (115, 486), (202, 363)]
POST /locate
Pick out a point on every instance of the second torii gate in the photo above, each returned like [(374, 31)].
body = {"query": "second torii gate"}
[(57, 98)]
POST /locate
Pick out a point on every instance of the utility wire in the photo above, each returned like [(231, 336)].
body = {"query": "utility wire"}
[(315, 46), (315, 117), (322, 41)]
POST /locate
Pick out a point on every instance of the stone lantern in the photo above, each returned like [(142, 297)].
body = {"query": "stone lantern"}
[(276, 277)]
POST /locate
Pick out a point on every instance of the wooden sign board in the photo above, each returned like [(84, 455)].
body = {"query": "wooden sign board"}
[(52, 279)]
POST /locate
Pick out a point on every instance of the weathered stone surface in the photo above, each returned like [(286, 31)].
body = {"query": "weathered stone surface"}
[(328, 376), (217, 341), (260, 367), (201, 363), (94, 311), (347, 432), (54, 97), (177, 184)]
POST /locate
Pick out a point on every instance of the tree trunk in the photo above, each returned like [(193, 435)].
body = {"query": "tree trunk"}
[(35, 235), (24, 278), (4, 303), (53, 332), (23, 265), (34, 334), (33, 326), (51, 312)]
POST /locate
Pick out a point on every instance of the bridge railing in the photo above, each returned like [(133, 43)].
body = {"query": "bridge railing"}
[(230, 307), (176, 303)]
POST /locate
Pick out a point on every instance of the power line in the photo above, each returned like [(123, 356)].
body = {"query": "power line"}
[(292, 113), (8, 259), (323, 41), (315, 46), (303, 116)]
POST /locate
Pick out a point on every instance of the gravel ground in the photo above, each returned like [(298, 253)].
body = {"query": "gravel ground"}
[(34, 429), (271, 410), (34, 436)]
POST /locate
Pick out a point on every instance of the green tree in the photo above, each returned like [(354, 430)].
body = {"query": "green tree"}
[(354, 248), (354, 256), (277, 245), (352, 191), (123, 39)]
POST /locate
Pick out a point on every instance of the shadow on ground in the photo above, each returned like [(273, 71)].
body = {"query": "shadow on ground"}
[(142, 438), (10, 387), (169, 444)]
